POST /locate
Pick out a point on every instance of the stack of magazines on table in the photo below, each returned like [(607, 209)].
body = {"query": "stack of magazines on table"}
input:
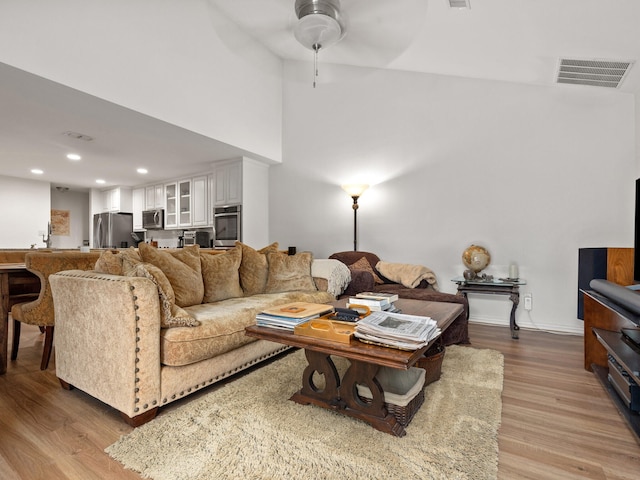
[(396, 330), (376, 301), (292, 314)]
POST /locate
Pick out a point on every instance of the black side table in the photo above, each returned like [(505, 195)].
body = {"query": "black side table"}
[(495, 287)]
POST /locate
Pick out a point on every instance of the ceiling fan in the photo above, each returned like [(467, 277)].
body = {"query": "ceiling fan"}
[(367, 33)]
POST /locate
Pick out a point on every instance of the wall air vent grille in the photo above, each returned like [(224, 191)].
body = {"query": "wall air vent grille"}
[(459, 4), (596, 73)]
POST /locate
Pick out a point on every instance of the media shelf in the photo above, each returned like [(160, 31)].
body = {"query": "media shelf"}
[(632, 418), (603, 321), (629, 358)]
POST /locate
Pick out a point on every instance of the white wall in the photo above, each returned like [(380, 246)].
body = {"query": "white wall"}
[(25, 207), (77, 203), (178, 61), (531, 173), (255, 203)]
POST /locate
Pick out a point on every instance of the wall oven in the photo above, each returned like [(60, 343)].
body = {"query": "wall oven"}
[(227, 223)]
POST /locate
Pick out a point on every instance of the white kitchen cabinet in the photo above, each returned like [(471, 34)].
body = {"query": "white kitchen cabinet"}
[(228, 184), (154, 197), (211, 191), (110, 200), (138, 200), (244, 181), (199, 202), (184, 203), (171, 205), (118, 199), (159, 196)]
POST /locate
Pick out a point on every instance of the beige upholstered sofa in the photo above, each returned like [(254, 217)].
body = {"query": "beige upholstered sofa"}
[(125, 338)]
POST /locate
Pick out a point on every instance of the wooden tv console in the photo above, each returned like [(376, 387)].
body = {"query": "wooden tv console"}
[(603, 320)]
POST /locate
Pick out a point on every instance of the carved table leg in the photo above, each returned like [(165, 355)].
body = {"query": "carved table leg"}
[(375, 413), (310, 393), (343, 396), (515, 298)]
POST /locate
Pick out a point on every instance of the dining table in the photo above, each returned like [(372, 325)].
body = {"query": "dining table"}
[(15, 282)]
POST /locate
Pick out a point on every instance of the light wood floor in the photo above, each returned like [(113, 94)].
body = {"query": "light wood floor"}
[(557, 422)]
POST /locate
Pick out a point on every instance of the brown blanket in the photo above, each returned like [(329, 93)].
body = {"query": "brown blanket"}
[(406, 274)]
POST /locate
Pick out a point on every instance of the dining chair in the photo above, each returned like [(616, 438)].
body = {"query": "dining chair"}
[(40, 311), (22, 289)]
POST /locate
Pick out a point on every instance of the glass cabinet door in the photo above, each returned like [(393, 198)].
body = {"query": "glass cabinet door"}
[(171, 215), (185, 203)]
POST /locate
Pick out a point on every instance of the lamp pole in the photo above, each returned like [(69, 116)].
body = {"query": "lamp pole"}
[(354, 192), (355, 222)]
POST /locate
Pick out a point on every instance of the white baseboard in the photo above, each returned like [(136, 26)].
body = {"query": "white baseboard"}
[(542, 327)]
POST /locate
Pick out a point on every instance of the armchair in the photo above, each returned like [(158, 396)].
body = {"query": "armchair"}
[(363, 280)]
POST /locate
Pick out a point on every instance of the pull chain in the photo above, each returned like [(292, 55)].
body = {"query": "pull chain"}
[(316, 49)]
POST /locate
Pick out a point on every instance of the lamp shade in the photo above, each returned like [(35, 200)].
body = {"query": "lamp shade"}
[(317, 31), (355, 190)]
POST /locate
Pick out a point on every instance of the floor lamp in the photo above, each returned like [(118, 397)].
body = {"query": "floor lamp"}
[(355, 191)]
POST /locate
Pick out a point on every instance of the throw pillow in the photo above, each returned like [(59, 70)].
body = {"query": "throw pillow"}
[(130, 258), (117, 262), (254, 268), (289, 273), (220, 275), (363, 264), (109, 262), (171, 315), (183, 270)]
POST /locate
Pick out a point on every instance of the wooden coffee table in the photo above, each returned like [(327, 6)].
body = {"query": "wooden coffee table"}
[(341, 394)]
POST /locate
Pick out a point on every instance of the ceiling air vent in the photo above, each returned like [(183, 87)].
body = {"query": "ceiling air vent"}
[(597, 73), (78, 136), (459, 4)]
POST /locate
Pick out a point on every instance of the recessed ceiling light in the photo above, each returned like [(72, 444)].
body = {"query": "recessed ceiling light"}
[(142, 171), (74, 156), (100, 181), (37, 171)]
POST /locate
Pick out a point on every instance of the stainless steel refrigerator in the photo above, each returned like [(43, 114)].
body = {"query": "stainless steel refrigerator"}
[(112, 230)]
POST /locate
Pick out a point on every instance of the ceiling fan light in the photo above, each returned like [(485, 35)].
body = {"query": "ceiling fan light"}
[(317, 31)]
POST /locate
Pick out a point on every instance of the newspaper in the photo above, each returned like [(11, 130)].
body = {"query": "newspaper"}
[(408, 332)]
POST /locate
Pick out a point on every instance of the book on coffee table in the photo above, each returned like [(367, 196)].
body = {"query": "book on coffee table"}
[(299, 309), (390, 297), (291, 314)]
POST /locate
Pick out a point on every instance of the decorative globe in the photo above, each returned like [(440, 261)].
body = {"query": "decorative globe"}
[(476, 258)]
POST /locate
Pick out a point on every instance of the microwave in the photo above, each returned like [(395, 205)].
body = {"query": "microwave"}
[(153, 219)]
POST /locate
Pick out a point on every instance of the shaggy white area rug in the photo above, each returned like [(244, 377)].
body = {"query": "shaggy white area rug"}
[(248, 429)]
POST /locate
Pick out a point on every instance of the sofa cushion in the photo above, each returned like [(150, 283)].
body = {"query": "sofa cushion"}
[(289, 273), (222, 326), (182, 268), (221, 276), (171, 315), (363, 264), (254, 268)]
